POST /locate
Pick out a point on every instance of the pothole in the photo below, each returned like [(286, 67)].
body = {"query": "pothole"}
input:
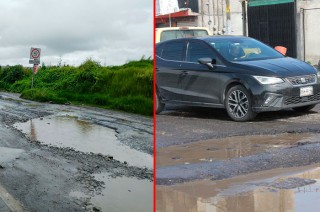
[(231, 147), (292, 189), (9, 154), (67, 131), (120, 194)]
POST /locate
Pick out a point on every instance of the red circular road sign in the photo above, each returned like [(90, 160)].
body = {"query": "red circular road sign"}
[(35, 53)]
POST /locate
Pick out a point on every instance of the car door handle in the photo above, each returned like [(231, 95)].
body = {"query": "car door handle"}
[(157, 69)]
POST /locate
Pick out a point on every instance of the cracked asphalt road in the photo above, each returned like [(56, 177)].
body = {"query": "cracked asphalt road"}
[(41, 177), (179, 125)]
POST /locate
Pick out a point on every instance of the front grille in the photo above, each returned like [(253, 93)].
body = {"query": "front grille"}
[(303, 80), (297, 99)]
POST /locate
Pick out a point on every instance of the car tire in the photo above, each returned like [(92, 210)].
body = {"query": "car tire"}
[(238, 103), (304, 108), (159, 104)]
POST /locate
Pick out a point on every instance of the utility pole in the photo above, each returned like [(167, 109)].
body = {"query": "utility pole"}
[(228, 25), (244, 18), (209, 22), (218, 16)]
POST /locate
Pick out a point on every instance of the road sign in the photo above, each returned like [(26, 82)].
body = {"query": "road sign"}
[(35, 68), (34, 61), (35, 53)]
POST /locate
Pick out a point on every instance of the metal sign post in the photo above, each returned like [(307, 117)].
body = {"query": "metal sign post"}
[(35, 60)]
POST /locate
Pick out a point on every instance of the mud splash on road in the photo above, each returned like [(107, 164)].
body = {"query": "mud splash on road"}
[(68, 131), (227, 148), (273, 190)]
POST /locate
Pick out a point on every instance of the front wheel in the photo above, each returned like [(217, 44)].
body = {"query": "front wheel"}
[(304, 108), (238, 103)]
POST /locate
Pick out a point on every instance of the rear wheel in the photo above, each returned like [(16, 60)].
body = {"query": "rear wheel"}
[(159, 104), (238, 103), (304, 108)]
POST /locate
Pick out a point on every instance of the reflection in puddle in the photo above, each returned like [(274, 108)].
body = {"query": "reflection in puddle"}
[(82, 136), (121, 194), (228, 148), (242, 196)]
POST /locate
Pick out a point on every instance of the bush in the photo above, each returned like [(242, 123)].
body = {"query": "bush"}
[(128, 87), (12, 74)]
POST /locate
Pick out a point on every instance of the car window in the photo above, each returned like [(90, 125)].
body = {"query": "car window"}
[(197, 50), (174, 34), (173, 51), (159, 50), (244, 49)]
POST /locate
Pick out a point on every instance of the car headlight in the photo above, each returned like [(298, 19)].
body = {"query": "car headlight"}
[(318, 72), (268, 80)]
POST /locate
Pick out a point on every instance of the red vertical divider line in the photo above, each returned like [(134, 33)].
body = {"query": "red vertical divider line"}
[(154, 111)]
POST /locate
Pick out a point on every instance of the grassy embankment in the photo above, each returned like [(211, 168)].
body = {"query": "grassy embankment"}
[(127, 87)]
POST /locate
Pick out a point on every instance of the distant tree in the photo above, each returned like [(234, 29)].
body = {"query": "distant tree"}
[(43, 66)]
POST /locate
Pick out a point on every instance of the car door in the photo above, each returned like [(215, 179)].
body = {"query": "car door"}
[(168, 67), (199, 83)]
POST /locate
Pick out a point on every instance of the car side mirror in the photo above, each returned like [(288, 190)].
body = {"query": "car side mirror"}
[(207, 61)]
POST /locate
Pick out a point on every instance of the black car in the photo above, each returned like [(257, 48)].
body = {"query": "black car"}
[(237, 73)]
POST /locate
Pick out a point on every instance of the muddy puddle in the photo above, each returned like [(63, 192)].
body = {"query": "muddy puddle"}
[(283, 190), (9, 154), (121, 194), (67, 131), (228, 148)]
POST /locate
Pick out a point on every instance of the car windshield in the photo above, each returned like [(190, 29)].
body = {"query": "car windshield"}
[(174, 34), (243, 49)]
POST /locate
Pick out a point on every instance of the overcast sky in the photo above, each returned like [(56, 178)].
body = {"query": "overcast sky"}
[(109, 31)]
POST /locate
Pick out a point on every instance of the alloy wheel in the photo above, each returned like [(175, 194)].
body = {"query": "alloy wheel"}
[(238, 103)]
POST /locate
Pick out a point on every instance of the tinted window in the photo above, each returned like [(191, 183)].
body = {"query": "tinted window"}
[(173, 51), (159, 50), (197, 50), (243, 49)]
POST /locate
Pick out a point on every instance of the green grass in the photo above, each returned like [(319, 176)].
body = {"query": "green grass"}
[(127, 87)]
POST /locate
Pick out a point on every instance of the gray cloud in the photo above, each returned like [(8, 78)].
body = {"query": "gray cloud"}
[(75, 30)]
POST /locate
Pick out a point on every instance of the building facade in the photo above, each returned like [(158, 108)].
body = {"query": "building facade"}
[(290, 23), (219, 16)]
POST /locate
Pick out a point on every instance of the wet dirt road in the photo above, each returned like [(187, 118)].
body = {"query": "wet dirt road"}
[(206, 162), (68, 158)]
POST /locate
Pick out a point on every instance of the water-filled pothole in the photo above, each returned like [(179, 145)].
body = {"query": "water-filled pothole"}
[(254, 192), (231, 147), (121, 194), (9, 154), (124, 194), (66, 131)]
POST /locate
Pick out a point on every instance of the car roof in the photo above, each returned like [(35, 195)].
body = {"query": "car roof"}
[(209, 38), (181, 28)]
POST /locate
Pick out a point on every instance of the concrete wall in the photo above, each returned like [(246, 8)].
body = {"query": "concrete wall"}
[(215, 11), (308, 30), (236, 17)]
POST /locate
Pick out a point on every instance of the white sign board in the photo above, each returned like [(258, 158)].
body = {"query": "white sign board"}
[(167, 6), (35, 53)]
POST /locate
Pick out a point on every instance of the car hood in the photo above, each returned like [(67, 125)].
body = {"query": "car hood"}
[(280, 67)]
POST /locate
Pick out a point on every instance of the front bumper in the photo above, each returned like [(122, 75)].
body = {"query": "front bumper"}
[(282, 96)]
